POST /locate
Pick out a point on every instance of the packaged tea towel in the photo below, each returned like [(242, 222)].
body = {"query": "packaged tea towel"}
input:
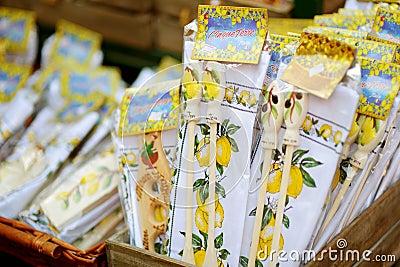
[(72, 44), (19, 33), (377, 173), (45, 145), (110, 225), (17, 100), (90, 199), (150, 108), (84, 198), (312, 171), (391, 176), (243, 86), (342, 216)]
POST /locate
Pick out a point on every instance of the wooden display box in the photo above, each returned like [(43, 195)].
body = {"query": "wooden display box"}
[(125, 27), (376, 229)]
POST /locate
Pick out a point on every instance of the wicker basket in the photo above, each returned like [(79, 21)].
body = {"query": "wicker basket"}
[(41, 249)]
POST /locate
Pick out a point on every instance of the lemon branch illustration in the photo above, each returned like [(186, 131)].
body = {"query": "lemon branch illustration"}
[(200, 247), (298, 172), (226, 144), (89, 184)]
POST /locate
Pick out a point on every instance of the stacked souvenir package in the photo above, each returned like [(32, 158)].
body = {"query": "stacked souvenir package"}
[(258, 145), (60, 175)]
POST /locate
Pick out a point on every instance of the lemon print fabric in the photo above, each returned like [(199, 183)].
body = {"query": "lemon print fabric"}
[(298, 173), (265, 240), (225, 146)]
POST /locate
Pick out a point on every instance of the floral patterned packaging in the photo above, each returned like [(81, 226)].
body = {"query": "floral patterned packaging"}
[(45, 145), (234, 138), (150, 109)]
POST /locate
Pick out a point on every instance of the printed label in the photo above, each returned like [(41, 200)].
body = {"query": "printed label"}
[(149, 109), (371, 49), (344, 22), (74, 44), (12, 78), (386, 25), (337, 31), (284, 38), (233, 34), (379, 87), (15, 27), (83, 85), (74, 110)]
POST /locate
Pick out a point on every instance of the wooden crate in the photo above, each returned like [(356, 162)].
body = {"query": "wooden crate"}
[(376, 229), (168, 34), (121, 254), (131, 29), (132, 5)]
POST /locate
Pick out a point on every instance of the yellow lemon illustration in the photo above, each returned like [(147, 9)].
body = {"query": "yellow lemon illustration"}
[(337, 137), (88, 178), (244, 97), (160, 214), (203, 152), (200, 205), (325, 130), (130, 158), (307, 124), (229, 93), (253, 100), (187, 77), (210, 86), (219, 214), (93, 188), (368, 132), (201, 220), (295, 182), (62, 195), (274, 179), (192, 90), (224, 151), (220, 263), (199, 257), (201, 217), (265, 241), (354, 127)]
